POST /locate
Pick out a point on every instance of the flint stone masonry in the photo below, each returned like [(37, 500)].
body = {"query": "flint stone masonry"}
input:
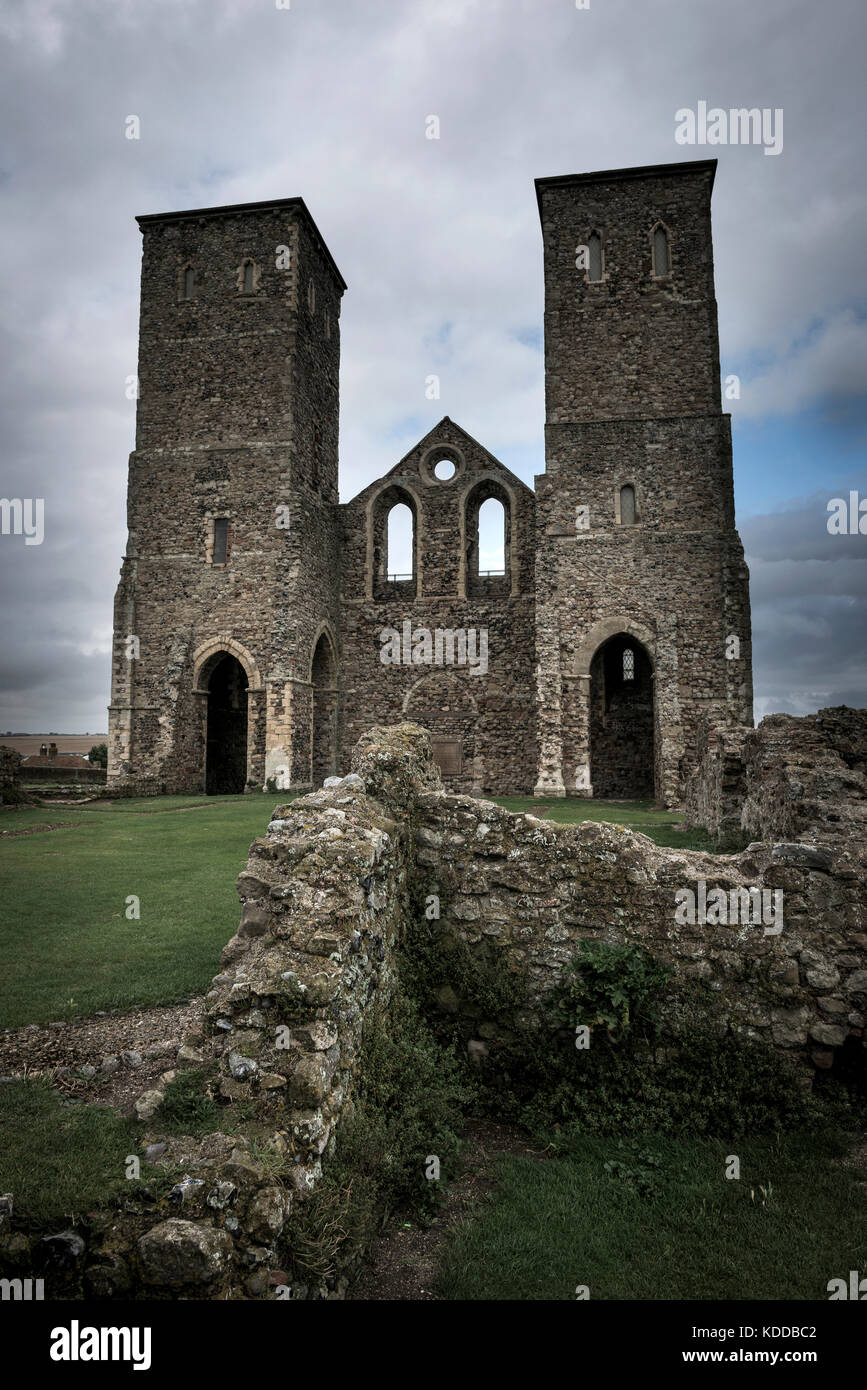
[(255, 603), (791, 777), (338, 870), (10, 776)]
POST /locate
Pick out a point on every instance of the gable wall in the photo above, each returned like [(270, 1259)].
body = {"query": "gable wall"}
[(491, 715)]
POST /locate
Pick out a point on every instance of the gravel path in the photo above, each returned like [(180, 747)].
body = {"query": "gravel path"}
[(141, 1041)]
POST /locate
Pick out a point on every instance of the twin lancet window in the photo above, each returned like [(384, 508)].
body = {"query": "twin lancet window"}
[(486, 559), (660, 248), (246, 280)]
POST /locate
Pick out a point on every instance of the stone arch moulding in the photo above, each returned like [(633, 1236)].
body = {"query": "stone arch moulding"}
[(323, 706), (324, 630), (431, 675), (611, 627), (660, 226), (410, 498), (478, 481), (231, 647)]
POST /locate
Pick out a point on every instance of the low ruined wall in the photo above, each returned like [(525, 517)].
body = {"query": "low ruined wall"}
[(791, 777), (797, 979), (10, 776), (325, 903), (43, 772), (770, 944)]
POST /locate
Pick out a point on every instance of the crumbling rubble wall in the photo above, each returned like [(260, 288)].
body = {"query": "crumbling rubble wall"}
[(330, 892), (790, 777), (534, 891), (807, 776), (716, 787)]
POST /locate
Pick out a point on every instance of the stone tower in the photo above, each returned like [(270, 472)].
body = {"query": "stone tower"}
[(642, 600), (225, 647)]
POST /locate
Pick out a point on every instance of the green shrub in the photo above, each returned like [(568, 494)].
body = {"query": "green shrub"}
[(702, 1086), (611, 987)]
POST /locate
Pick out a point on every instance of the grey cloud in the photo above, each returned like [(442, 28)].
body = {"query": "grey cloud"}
[(328, 100)]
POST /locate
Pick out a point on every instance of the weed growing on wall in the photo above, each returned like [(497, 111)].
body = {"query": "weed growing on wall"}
[(612, 990), (408, 1106), (616, 1079), (186, 1108)]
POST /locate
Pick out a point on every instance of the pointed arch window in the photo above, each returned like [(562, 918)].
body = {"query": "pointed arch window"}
[(399, 544), (628, 512), (661, 253), (488, 533), (395, 544), (188, 283)]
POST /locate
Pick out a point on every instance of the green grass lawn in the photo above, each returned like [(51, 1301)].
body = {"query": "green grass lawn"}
[(69, 947), (57, 1157), (665, 1223)]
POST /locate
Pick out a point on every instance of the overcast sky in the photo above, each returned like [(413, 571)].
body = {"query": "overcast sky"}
[(440, 244)]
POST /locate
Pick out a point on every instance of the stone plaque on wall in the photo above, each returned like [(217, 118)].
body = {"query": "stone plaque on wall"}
[(447, 755)]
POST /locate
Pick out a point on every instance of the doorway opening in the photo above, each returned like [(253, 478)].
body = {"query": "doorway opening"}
[(621, 721), (226, 744), (323, 676)]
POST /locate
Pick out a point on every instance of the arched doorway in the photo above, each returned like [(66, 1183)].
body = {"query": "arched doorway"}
[(621, 720), (323, 677), (226, 740)]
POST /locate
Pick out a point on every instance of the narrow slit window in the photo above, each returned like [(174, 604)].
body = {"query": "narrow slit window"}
[(628, 664), (594, 256), (627, 505), (249, 284), (661, 258), (189, 283), (221, 540)]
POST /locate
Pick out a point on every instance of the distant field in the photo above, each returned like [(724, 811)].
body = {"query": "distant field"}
[(25, 744)]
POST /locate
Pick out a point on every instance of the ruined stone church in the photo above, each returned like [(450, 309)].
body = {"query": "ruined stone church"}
[(249, 617)]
